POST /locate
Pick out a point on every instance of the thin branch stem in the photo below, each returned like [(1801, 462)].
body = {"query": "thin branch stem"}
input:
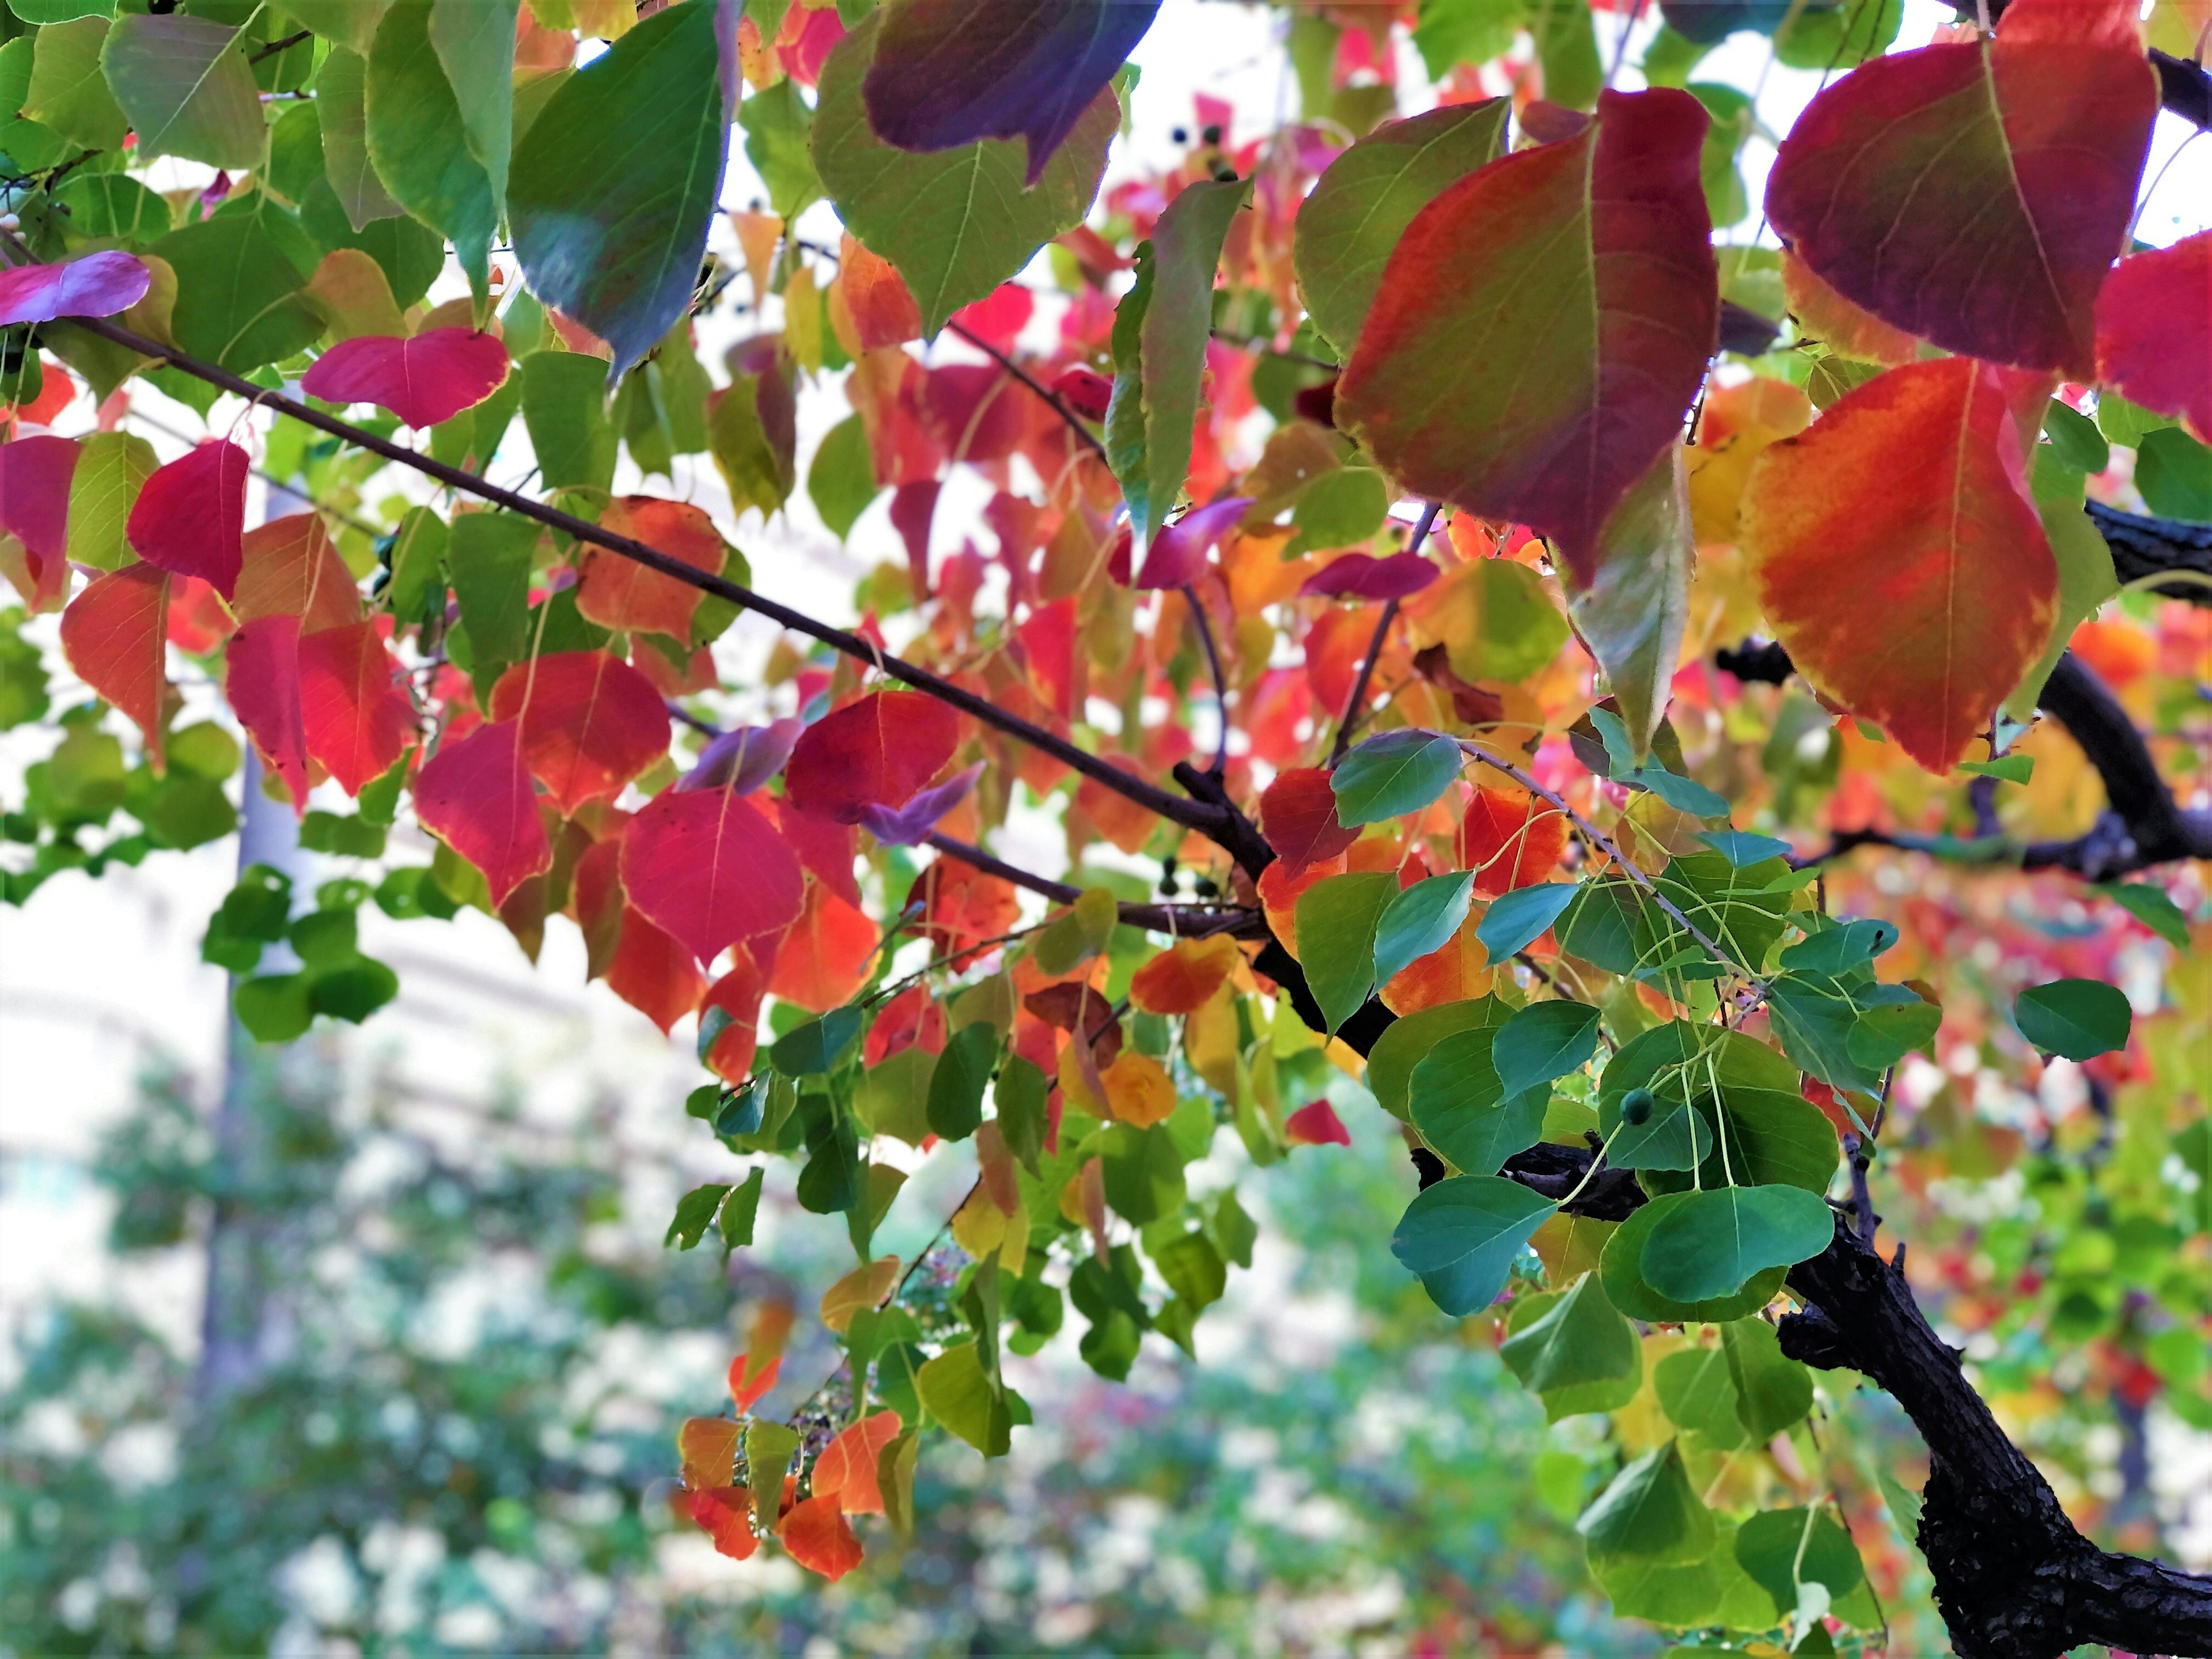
[(1357, 702), (1178, 921), (274, 48), (1074, 422), (1192, 815), (1213, 664)]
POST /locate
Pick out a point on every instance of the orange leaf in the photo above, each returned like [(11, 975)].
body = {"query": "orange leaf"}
[(619, 593), (290, 568), (1138, 1090), (846, 1468), (725, 1514), (819, 1539), (1280, 886), (826, 954), (1181, 979), (113, 636), (1898, 555), (739, 991), (708, 1447), (1851, 330), (1509, 841), (1457, 970), (1117, 818), (652, 973)]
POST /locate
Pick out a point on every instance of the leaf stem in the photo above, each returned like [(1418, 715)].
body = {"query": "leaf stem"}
[(1357, 701)]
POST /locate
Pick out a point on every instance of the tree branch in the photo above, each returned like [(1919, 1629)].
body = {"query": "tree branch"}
[(2144, 547), (1213, 665), (1356, 704), (1206, 819), (1178, 921)]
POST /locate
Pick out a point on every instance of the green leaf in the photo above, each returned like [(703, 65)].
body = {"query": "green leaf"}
[(474, 43), (1544, 1041), (892, 1096), (1461, 1235), (2075, 437), (956, 222), (1517, 919), (778, 128), (1815, 1016), (68, 92), (2006, 768), (488, 556), (186, 87), (1574, 1350), (1160, 363), (1142, 1170), (1631, 609), (1672, 1138), (1404, 1042), (1368, 195), (769, 1446), (740, 1209), (1840, 947), (955, 1087), (957, 1391), (842, 479), (1393, 773), (1714, 1242), (1781, 1549), (1079, 933), (1567, 48), (1772, 1391), (1336, 923), (564, 407), (695, 1213), (353, 990), (114, 207), (1020, 1100), (274, 1007), (341, 93), (31, 145), (818, 1046), (1887, 1031), (239, 277), (1193, 1269), (1650, 1511), (111, 468), (1462, 1111), (1342, 508), (1420, 919), (2150, 905), (1626, 1284), (349, 22), (2080, 1018), (1697, 1393), (1742, 848), (615, 183), (2174, 473), (418, 139)]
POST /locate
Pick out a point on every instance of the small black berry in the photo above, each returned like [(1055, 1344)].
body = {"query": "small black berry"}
[(1636, 1106)]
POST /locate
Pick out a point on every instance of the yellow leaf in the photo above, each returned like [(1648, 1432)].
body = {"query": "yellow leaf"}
[(863, 1287), (1138, 1090)]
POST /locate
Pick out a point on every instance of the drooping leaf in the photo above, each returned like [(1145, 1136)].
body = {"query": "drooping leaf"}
[(1152, 416), (110, 471), (1576, 1352), (1297, 815), (1366, 198), (474, 794), (778, 124), (1544, 1041), (1176, 557), (1771, 1390), (1651, 1511), (1542, 325), (2152, 906), (1461, 1235), (187, 88), (1336, 923), (2080, 1018), (474, 43), (97, 285), (261, 682), (946, 74), (1974, 193), (1419, 919), (1632, 603), (354, 706), (1462, 1110), (1899, 555), (590, 723), (341, 94), (2155, 331), (430, 378), (189, 517), (1519, 918), (878, 748), (1393, 773), (709, 870), (615, 182), (241, 298), (1715, 1241), (488, 558), (114, 637), (418, 139)]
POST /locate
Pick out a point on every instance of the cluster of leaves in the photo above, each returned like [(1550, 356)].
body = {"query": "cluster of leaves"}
[(1503, 306)]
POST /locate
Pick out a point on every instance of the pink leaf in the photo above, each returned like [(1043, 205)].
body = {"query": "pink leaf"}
[(97, 285), (261, 678), (190, 518), (353, 703), (1317, 1125), (34, 490), (907, 824), (425, 381), (2155, 331), (1358, 576), (708, 870), (1177, 555), (474, 794)]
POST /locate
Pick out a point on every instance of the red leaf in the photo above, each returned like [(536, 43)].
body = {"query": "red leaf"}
[(1000, 316), (1177, 555), (825, 849), (747, 1382), (709, 870), (354, 704), (739, 992), (1543, 323), (2155, 331), (1049, 648), (846, 1468), (261, 680), (914, 1018), (826, 954), (35, 491), (819, 1539), (1316, 1125), (474, 794), (1510, 840), (621, 594), (114, 636), (198, 621), (289, 567), (877, 298), (97, 285), (879, 748), (596, 901), (725, 1514), (1975, 193), (654, 973), (1898, 555), (424, 381), (912, 506), (1360, 576), (1297, 815), (189, 518), (590, 723)]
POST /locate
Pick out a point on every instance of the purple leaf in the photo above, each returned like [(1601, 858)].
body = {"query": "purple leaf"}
[(1177, 555), (948, 72), (1360, 576), (745, 759), (97, 285), (905, 825)]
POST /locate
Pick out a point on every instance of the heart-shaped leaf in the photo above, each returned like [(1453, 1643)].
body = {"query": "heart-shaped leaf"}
[(1393, 773), (1713, 1243), (2080, 1018), (1545, 1040), (1516, 920), (1461, 1235), (425, 380), (1419, 919)]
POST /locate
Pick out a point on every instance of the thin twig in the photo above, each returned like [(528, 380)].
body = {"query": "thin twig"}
[(1220, 685), (1179, 921), (1357, 701), (1074, 422), (277, 46)]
